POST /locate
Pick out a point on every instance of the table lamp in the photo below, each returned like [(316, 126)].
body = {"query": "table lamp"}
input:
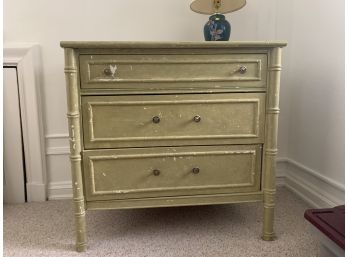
[(217, 28)]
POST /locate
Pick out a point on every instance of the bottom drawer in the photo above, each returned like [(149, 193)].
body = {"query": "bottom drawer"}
[(171, 171)]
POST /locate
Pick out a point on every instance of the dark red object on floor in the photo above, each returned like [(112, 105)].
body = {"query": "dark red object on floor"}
[(329, 221)]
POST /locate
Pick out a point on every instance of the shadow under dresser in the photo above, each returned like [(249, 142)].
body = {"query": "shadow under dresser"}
[(157, 124)]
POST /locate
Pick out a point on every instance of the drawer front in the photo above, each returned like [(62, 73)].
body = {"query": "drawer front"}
[(142, 72), (155, 172), (168, 120)]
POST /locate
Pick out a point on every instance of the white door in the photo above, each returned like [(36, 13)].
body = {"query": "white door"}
[(14, 178)]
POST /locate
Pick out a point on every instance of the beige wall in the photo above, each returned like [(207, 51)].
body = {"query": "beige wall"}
[(311, 121), (315, 83)]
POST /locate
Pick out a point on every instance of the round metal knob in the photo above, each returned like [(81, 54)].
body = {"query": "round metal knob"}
[(107, 72), (243, 69), (156, 172), (197, 118), (156, 119), (195, 170)]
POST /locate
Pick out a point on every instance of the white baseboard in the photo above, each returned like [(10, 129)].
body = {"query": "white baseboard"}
[(281, 172), (317, 190), (58, 150), (60, 190), (36, 192)]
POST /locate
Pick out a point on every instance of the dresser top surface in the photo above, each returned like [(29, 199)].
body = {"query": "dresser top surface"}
[(172, 44)]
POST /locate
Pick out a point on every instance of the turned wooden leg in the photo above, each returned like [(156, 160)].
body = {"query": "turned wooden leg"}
[(270, 146), (75, 147), (269, 194), (79, 205), (268, 216), (80, 224)]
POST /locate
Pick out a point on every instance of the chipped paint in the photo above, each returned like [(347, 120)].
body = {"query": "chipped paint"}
[(106, 79), (72, 132), (122, 191), (113, 69)]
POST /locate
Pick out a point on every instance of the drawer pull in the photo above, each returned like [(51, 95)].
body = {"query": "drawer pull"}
[(111, 71), (156, 119), (107, 72), (156, 172), (197, 118), (243, 69), (195, 170)]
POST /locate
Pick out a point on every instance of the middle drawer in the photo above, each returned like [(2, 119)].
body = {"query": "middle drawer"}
[(169, 120)]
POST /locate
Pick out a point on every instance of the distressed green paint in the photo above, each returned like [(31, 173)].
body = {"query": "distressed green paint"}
[(191, 200), (270, 146), (129, 173), (97, 45), (71, 75), (163, 71), (232, 86), (234, 118)]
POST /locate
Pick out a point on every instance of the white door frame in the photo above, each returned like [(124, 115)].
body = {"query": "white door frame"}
[(26, 58), (14, 187)]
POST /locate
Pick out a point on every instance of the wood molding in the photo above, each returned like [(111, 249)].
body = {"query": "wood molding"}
[(57, 150), (57, 144), (317, 190), (26, 58), (59, 136), (60, 190)]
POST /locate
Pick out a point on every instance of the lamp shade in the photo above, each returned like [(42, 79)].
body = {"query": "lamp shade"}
[(208, 6)]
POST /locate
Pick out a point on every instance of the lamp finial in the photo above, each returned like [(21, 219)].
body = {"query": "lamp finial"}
[(217, 5)]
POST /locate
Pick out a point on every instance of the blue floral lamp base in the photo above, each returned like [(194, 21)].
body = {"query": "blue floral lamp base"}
[(217, 28)]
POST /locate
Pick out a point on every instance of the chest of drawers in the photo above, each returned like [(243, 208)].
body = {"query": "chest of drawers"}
[(158, 124)]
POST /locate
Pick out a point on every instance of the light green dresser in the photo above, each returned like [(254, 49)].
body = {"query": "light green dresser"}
[(155, 124)]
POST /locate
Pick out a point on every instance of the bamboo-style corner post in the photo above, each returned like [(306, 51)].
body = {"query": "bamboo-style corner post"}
[(75, 147), (270, 147)]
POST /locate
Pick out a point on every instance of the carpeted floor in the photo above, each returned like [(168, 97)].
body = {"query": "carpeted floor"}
[(46, 229)]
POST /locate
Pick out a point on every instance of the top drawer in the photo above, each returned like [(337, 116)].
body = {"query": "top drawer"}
[(174, 71)]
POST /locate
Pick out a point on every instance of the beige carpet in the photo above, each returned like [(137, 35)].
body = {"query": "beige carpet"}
[(46, 229)]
